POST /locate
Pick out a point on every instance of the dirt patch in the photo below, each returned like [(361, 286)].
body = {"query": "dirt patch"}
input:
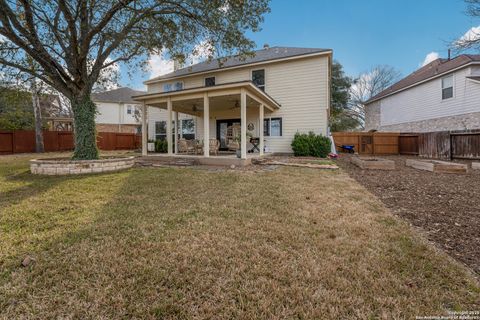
[(445, 206)]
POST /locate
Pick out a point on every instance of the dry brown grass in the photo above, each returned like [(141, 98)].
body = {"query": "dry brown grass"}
[(192, 244)]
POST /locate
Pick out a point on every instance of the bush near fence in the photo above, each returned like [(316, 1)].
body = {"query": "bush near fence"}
[(23, 141)]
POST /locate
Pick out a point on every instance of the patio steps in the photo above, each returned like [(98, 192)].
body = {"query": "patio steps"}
[(166, 161)]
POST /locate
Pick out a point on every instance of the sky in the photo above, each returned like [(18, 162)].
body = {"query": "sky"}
[(362, 34)]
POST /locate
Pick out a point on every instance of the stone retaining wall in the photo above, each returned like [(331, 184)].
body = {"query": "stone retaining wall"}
[(65, 166)]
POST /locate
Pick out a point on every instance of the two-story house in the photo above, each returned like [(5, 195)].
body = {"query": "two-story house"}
[(117, 111), (444, 95), (272, 95)]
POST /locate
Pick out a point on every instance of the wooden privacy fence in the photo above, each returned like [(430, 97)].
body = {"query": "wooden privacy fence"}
[(369, 142), (23, 141), (436, 145), (450, 144)]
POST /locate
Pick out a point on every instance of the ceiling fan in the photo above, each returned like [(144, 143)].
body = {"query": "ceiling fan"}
[(195, 108), (237, 105)]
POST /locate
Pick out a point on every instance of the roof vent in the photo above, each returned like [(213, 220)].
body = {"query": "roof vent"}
[(266, 46)]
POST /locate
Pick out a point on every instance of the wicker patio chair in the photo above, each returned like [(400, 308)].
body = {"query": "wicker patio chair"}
[(214, 146)]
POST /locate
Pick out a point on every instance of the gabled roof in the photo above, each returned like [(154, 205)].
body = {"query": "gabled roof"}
[(263, 55), (120, 95), (432, 70)]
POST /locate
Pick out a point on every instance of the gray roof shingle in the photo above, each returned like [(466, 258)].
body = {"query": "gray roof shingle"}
[(266, 54), (117, 95), (431, 70)]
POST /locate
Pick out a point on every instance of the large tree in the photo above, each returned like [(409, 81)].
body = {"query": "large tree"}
[(367, 85), (340, 117), (72, 41)]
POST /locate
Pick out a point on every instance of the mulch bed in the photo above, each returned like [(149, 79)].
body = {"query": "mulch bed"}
[(445, 206)]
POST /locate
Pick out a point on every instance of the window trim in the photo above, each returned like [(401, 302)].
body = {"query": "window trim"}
[(129, 109), (264, 78), (269, 121), (194, 133), (453, 86), (173, 86), (163, 134), (205, 81)]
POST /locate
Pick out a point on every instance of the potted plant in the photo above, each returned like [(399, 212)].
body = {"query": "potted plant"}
[(151, 145), (238, 139)]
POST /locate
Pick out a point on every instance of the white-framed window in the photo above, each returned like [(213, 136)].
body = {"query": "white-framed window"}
[(209, 81), (129, 109), (258, 78), (447, 87), (272, 127), (174, 86), (188, 129), (161, 130)]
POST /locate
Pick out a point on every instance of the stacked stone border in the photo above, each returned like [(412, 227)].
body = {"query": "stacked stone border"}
[(69, 167)]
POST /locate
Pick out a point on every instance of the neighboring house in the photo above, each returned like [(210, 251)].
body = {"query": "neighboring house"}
[(272, 95), (117, 112), (443, 95)]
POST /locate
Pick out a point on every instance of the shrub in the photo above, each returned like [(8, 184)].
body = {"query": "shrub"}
[(311, 144), (161, 146)]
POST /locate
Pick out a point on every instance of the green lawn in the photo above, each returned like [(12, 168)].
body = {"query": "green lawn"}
[(195, 244)]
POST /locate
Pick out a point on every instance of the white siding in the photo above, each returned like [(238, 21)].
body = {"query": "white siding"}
[(115, 113), (301, 86), (425, 102)]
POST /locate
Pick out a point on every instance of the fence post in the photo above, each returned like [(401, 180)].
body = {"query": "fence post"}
[(14, 143), (451, 145)]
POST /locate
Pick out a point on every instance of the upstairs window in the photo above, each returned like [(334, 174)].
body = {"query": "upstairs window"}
[(258, 78), (129, 109), (447, 87), (209, 82), (175, 86)]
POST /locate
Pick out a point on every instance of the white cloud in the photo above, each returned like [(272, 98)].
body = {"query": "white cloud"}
[(159, 64), (432, 56), (472, 34)]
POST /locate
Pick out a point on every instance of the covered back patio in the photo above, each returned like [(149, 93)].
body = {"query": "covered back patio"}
[(216, 106)]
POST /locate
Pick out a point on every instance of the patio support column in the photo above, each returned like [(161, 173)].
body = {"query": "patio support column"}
[(260, 127), (206, 125), (144, 129), (176, 132), (243, 119), (169, 126)]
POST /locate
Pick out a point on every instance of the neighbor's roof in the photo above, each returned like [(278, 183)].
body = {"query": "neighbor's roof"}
[(263, 55), (118, 95), (430, 71)]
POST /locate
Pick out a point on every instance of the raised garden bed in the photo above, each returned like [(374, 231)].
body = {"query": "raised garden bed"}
[(372, 163), (437, 166), (67, 166)]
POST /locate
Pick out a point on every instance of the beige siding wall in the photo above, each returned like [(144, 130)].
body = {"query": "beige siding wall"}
[(301, 86)]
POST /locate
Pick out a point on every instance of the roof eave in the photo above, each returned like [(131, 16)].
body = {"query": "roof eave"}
[(142, 98), (423, 81)]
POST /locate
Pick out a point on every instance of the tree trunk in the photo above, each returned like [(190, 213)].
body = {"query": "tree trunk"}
[(84, 111), (37, 112)]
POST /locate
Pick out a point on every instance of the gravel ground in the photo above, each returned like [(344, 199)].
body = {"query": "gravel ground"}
[(445, 206)]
